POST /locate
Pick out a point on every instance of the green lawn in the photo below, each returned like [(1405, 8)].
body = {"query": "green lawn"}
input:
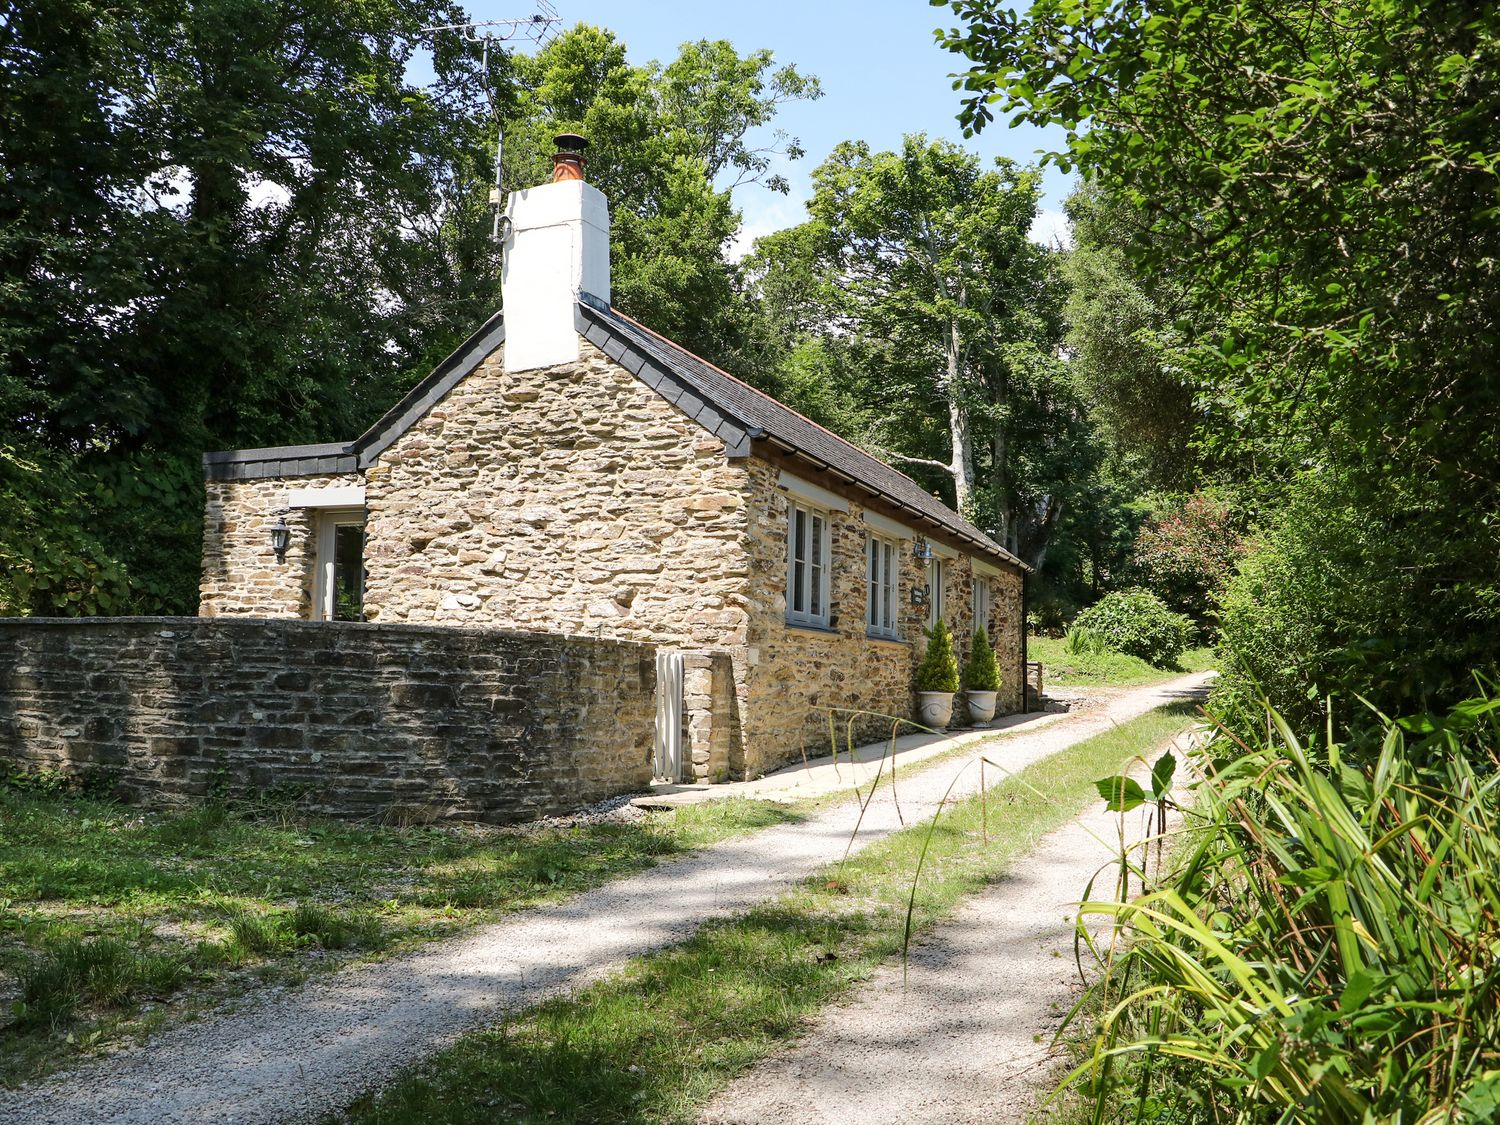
[(1106, 669), (113, 920), (653, 1042)]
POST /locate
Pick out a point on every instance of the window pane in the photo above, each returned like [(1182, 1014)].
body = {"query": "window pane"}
[(797, 594), (815, 576), (889, 593), (348, 572), (872, 598)]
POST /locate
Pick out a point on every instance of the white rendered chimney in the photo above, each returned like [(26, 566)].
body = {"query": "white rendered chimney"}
[(556, 247)]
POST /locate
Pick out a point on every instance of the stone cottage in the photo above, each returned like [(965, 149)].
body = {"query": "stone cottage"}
[(567, 470)]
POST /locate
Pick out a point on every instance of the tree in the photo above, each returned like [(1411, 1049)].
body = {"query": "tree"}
[(1186, 552), (668, 145), (213, 231), (1126, 347), (237, 223), (1321, 180), (928, 253)]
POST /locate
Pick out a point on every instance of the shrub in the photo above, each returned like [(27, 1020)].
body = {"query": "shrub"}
[(1137, 623), (1085, 642), (1335, 600), (1185, 553), (1322, 947), (939, 668), (334, 929), (982, 671)]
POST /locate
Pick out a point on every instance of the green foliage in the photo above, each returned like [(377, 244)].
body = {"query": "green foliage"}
[(1083, 642), (924, 325), (1328, 602), (669, 145), (1136, 623), (1320, 948), (104, 972), (938, 670), (1185, 552), (1124, 345), (1318, 209), (981, 670)]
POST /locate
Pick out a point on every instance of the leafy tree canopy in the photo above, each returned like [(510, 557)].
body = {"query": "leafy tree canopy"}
[(1323, 183)]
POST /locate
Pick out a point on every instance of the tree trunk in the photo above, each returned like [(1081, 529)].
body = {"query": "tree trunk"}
[(962, 444)]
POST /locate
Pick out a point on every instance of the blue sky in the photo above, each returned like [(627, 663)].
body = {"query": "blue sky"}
[(883, 76)]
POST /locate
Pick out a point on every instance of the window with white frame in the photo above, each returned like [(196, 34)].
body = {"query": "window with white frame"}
[(339, 573), (807, 551), (883, 572), (982, 602), (934, 591)]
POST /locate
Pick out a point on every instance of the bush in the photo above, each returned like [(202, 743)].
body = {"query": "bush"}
[(105, 972), (1185, 554), (1138, 624), (1321, 948), (939, 668), (1085, 642), (982, 672), (1338, 598)]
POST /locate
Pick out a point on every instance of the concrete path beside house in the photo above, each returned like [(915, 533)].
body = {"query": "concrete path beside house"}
[(844, 771), (966, 1036), (296, 1055)]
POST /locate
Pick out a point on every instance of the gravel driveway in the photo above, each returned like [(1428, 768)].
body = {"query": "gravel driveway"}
[(965, 1039), (296, 1055)]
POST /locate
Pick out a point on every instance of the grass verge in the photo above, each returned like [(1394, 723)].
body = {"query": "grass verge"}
[(653, 1042), (114, 920), (1107, 669)]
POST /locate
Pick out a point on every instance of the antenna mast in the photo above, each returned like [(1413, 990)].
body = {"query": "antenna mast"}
[(535, 29)]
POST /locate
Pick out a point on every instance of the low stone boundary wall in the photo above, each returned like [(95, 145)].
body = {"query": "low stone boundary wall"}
[(353, 720)]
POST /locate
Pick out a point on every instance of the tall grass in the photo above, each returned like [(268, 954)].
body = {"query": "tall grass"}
[(1324, 945)]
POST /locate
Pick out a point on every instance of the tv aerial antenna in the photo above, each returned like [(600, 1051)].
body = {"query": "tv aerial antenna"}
[(535, 29)]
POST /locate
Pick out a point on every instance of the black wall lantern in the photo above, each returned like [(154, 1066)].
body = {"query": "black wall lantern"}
[(919, 595), (281, 538)]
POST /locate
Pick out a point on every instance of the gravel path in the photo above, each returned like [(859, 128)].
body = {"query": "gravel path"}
[(966, 1037), (296, 1055)]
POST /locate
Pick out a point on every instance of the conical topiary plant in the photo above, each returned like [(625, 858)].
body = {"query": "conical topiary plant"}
[(939, 668), (982, 672)]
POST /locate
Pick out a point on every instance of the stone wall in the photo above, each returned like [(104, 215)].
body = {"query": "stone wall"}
[(241, 574), (798, 677), (574, 499), (355, 719)]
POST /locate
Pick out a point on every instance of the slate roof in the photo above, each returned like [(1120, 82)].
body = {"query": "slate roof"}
[(730, 409), (740, 414)]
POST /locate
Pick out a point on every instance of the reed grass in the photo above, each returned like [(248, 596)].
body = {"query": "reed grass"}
[(1324, 945)]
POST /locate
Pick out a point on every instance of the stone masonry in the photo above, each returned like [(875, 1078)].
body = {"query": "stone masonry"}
[(352, 720), (575, 500), (240, 574)]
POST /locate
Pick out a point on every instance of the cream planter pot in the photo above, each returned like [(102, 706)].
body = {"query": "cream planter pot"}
[(935, 709), (981, 706)]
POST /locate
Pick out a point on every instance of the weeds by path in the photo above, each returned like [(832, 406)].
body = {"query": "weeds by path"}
[(112, 919), (653, 1042)]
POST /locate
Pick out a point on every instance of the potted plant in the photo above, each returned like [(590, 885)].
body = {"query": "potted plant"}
[(937, 679), (981, 679)]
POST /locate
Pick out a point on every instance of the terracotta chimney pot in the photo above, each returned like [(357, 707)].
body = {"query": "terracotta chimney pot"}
[(567, 161)]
